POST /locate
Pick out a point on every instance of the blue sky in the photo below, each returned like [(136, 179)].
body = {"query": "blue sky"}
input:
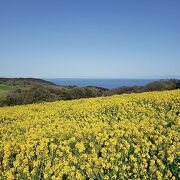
[(90, 38)]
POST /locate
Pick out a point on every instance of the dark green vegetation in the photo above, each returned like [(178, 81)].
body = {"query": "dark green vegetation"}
[(14, 91), (29, 90), (178, 84)]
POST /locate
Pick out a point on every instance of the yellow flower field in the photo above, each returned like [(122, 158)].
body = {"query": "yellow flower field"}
[(132, 136)]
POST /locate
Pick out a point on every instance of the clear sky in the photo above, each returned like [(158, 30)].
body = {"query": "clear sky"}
[(90, 38)]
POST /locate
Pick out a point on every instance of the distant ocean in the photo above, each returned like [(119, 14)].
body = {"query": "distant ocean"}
[(105, 83)]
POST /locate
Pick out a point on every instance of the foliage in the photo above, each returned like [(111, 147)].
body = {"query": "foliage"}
[(29, 90), (159, 85), (133, 136)]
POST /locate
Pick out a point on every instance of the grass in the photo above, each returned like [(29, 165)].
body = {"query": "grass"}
[(4, 90), (4, 87)]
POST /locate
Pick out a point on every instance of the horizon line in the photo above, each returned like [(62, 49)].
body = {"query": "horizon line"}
[(144, 77)]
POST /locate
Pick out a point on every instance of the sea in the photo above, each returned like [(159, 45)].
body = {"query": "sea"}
[(105, 83)]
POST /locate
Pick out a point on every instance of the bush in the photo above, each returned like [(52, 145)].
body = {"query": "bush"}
[(161, 85)]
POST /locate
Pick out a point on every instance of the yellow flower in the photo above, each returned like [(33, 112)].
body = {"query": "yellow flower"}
[(80, 147), (16, 164), (78, 175), (36, 163), (25, 170), (123, 136), (170, 158), (116, 168), (9, 175), (45, 176), (169, 174), (152, 162), (106, 177), (159, 175), (89, 171), (73, 168), (132, 158)]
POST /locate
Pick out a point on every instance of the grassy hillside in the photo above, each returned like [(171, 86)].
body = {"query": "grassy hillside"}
[(29, 90), (14, 91), (10, 85), (24, 81), (133, 136)]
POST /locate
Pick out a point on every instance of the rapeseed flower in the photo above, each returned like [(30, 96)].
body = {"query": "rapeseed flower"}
[(133, 136)]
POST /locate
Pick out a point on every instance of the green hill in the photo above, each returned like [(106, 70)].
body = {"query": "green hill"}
[(15, 91)]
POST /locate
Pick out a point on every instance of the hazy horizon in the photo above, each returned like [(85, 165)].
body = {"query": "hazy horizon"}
[(145, 77)]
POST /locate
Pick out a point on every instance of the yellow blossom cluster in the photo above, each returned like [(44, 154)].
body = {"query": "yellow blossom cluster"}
[(135, 136)]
